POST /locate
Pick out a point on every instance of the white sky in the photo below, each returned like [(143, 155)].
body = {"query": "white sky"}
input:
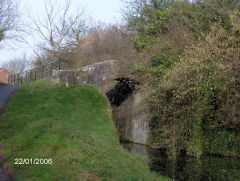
[(107, 11)]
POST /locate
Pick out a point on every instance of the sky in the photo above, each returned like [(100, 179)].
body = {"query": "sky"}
[(107, 11)]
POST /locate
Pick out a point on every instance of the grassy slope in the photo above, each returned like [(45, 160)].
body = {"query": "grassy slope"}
[(71, 126)]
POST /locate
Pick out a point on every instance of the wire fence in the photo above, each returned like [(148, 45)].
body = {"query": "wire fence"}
[(34, 74)]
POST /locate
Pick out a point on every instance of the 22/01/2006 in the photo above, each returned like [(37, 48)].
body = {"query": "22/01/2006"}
[(33, 161)]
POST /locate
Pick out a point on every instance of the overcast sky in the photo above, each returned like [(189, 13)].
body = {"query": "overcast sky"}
[(107, 11)]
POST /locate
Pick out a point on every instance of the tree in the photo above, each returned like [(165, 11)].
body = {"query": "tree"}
[(147, 19), (195, 96), (17, 65), (57, 28), (8, 18), (105, 43), (180, 21)]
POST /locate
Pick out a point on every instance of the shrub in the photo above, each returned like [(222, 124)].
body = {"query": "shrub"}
[(199, 93)]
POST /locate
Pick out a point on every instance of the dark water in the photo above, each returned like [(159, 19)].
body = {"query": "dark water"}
[(207, 168)]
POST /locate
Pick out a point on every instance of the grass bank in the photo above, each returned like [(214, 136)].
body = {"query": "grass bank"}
[(72, 127)]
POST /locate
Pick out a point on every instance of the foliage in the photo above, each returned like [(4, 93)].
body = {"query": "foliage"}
[(162, 61), (8, 18), (190, 53), (71, 126), (2, 33), (181, 21), (222, 142), (201, 92)]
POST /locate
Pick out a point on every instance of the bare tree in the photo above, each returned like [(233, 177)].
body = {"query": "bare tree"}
[(105, 43), (17, 65), (8, 18), (57, 29)]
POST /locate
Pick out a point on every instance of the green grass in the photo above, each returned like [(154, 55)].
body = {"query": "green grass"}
[(72, 127), (2, 84)]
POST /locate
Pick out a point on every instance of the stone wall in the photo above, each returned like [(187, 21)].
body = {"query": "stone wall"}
[(131, 118), (122, 116), (95, 74)]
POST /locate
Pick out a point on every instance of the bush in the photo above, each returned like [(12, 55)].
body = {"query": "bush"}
[(201, 92)]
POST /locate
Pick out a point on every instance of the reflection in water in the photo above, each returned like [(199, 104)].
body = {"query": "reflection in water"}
[(137, 149), (207, 168)]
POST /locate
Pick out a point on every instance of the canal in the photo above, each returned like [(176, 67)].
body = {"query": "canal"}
[(185, 168)]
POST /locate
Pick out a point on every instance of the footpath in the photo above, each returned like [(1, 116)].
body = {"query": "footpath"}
[(5, 93)]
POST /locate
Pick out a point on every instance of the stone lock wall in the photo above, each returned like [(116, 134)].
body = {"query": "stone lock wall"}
[(131, 118)]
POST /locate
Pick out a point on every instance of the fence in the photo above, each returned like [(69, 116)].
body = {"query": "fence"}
[(36, 73)]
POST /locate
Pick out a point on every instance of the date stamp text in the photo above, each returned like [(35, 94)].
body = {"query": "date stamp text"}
[(33, 161)]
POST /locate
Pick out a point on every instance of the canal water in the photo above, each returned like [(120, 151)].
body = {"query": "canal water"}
[(206, 168)]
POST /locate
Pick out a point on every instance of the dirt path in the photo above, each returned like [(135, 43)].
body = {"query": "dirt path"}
[(5, 93)]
